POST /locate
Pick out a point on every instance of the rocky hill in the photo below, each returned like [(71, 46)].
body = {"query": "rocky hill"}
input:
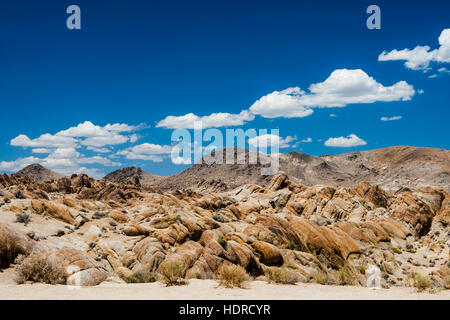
[(133, 175), (39, 173), (391, 168)]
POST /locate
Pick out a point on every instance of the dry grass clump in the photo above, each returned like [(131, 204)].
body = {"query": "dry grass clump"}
[(344, 276), (444, 271), (232, 276), (141, 277), (281, 275), (40, 267), (171, 273), (320, 277), (9, 250), (421, 283)]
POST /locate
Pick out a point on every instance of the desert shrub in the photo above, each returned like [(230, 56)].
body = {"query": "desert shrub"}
[(362, 269), (198, 275), (40, 267), (281, 275), (221, 240), (9, 250), (396, 250), (344, 276), (172, 273), (23, 218), (445, 272), (232, 276), (6, 199), (320, 278), (141, 277), (421, 283)]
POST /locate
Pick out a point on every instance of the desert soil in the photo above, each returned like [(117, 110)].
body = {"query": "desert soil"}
[(207, 290)]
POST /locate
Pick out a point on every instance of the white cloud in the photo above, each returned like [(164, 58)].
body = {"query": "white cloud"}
[(18, 164), (62, 147), (270, 140), (307, 140), (351, 140), (333, 115), (214, 120), (391, 118), (146, 151), (420, 57), (41, 150), (432, 76), (341, 88), (443, 70), (420, 91), (88, 129), (181, 160), (286, 103), (134, 138), (46, 141)]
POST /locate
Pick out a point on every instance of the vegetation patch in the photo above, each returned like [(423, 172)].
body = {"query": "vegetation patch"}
[(232, 276), (281, 276), (39, 266), (171, 273)]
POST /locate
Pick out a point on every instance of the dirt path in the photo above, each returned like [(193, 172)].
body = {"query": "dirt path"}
[(208, 290)]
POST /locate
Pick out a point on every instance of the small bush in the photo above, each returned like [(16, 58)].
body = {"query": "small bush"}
[(198, 275), (396, 250), (221, 240), (40, 267), (232, 276), (320, 278), (421, 283), (6, 199), (141, 277), (281, 275), (344, 276), (23, 218), (172, 273)]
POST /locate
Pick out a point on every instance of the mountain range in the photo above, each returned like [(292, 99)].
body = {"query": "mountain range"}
[(391, 168)]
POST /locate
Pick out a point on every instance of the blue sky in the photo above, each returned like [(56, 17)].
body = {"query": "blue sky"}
[(267, 64)]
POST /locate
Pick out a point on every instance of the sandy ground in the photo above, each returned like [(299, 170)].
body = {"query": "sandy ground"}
[(208, 290)]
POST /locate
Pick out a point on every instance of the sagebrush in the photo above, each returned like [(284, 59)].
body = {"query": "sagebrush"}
[(232, 276), (40, 267)]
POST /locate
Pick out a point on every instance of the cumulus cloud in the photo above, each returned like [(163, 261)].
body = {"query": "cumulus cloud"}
[(270, 140), (146, 151), (214, 120), (62, 160), (341, 88), (45, 140), (351, 140), (307, 140), (391, 118), (85, 134), (420, 57), (63, 147)]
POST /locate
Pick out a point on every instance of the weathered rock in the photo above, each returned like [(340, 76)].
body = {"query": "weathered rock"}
[(119, 216), (12, 243), (267, 253), (59, 212)]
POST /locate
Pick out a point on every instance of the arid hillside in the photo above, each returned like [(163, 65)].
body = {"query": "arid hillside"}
[(86, 232), (392, 168), (39, 173)]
